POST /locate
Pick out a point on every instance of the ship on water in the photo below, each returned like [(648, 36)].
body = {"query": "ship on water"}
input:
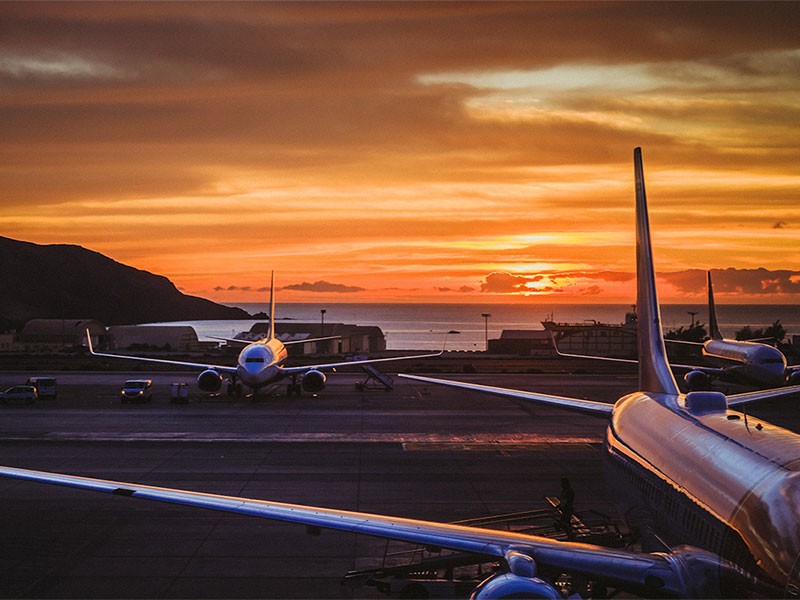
[(617, 340)]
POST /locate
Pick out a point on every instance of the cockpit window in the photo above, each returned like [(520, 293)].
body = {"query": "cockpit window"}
[(772, 361), (254, 359)]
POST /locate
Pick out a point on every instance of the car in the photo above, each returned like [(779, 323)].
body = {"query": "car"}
[(45, 387), (136, 390), (25, 393)]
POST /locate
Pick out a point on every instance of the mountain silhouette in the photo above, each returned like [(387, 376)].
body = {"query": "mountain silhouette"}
[(67, 281)]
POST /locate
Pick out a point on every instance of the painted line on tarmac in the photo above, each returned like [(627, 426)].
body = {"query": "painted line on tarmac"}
[(412, 441)]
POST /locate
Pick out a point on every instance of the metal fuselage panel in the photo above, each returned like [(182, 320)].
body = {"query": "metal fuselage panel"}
[(721, 484), (259, 364), (763, 364)]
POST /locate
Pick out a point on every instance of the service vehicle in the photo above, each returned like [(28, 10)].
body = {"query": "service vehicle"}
[(45, 387), (136, 390), (22, 393)]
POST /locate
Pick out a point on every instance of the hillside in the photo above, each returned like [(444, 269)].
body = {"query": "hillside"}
[(66, 281)]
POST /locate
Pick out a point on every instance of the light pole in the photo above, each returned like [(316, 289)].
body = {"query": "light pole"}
[(322, 312), (486, 328), (694, 314)]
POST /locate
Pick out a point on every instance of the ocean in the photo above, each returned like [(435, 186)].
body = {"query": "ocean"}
[(422, 326)]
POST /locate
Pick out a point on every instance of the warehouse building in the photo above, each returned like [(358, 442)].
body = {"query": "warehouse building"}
[(167, 338), (57, 335), (350, 339)]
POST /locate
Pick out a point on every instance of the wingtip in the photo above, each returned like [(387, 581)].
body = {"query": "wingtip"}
[(89, 341)]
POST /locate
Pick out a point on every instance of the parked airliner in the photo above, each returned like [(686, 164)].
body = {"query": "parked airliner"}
[(719, 497), (260, 363), (741, 361), (750, 363)]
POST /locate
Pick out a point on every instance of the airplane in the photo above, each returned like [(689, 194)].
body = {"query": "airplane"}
[(688, 468), (747, 362), (260, 363), (743, 361)]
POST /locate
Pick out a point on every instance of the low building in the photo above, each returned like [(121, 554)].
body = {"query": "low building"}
[(350, 339), (168, 338), (523, 342), (58, 335), (7, 341)]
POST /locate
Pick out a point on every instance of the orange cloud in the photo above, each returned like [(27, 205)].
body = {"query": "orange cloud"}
[(409, 146)]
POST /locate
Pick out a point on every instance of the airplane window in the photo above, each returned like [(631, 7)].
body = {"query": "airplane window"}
[(254, 359)]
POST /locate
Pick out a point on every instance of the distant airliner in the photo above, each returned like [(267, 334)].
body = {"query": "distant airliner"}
[(720, 498), (260, 363), (750, 363), (742, 361)]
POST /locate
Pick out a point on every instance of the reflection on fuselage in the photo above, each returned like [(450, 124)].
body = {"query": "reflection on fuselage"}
[(744, 482)]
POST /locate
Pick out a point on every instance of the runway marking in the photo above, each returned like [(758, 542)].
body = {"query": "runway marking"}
[(410, 441)]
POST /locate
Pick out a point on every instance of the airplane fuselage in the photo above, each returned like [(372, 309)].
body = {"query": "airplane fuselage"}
[(759, 363), (259, 363), (725, 483)]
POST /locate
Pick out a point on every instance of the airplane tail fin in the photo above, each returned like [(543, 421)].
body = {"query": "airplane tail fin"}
[(272, 307), (713, 324), (655, 375)]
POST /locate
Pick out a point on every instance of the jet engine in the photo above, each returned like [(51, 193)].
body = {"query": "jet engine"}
[(313, 381), (793, 378), (209, 381), (519, 582), (697, 381)]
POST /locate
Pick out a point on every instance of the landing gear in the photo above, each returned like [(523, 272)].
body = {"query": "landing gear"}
[(294, 389), (234, 389)]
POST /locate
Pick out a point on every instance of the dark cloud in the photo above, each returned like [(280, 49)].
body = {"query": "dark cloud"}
[(464, 289), (115, 90), (593, 290), (759, 282), (324, 286), (780, 225), (504, 283)]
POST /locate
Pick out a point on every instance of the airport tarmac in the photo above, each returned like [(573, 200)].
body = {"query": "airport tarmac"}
[(417, 451)]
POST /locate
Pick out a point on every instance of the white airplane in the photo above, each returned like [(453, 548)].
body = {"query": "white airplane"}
[(752, 363), (260, 363), (687, 467), (743, 361)]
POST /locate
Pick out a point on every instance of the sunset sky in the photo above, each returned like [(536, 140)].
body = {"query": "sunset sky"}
[(455, 152)]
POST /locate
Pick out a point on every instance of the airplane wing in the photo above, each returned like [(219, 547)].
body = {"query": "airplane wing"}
[(650, 575), (716, 371), (177, 363), (590, 407), (735, 400), (348, 363)]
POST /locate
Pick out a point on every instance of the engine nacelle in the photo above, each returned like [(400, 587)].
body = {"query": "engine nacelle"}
[(508, 585), (793, 378), (209, 381), (313, 381), (697, 381)]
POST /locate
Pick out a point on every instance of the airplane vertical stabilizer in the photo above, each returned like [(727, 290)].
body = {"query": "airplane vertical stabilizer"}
[(655, 375), (713, 324), (272, 306)]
